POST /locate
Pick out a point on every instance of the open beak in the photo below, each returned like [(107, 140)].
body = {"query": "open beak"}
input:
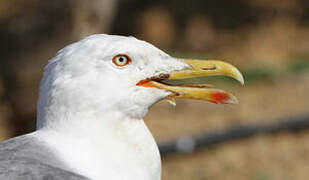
[(198, 68)]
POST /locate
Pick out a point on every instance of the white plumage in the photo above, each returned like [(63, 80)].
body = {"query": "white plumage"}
[(91, 111), (93, 97)]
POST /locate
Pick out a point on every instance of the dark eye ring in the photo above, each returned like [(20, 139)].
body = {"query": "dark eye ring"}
[(122, 60)]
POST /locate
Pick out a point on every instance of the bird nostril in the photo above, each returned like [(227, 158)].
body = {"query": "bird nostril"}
[(209, 69)]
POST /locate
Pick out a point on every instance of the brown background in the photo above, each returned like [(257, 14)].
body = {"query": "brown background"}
[(267, 39)]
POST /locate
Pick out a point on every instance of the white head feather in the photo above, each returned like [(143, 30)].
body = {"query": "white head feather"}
[(83, 79), (91, 110)]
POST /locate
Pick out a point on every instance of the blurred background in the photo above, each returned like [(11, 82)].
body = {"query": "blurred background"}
[(267, 39)]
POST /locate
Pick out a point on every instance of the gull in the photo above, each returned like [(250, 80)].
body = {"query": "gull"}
[(93, 97)]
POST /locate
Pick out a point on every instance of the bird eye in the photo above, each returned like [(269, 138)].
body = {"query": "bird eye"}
[(122, 60)]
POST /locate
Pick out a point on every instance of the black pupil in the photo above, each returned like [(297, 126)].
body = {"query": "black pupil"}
[(121, 59)]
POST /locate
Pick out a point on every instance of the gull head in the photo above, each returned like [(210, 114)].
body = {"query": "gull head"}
[(117, 74)]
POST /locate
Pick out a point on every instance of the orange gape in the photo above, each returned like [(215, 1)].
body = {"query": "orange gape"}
[(146, 83), (219, 97)]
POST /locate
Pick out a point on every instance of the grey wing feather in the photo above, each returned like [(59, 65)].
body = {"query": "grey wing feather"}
[(25, 158), (27, 170)]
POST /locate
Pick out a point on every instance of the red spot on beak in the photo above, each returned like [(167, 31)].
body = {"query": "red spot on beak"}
[(219, 97)]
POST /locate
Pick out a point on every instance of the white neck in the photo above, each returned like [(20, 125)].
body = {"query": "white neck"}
[(110, 146)]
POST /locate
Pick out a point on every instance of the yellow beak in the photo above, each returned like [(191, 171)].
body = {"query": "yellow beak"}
[(208, 68), (198, 68)]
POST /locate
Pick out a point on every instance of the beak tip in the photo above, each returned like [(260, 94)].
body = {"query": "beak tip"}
[(232, 100), (241, 80), (238, 76)]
